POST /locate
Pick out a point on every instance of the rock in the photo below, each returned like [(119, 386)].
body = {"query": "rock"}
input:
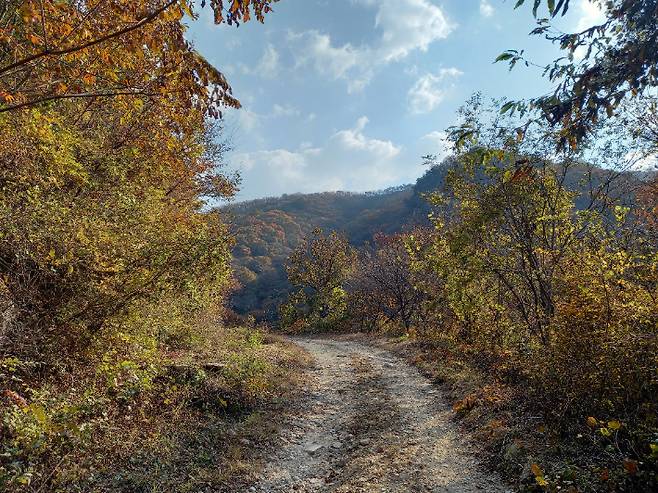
[(514, 453), (364, 441), (313, 448)]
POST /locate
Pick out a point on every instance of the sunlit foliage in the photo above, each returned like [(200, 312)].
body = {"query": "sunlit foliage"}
[(52, 50), (111, 263), (318, 269)]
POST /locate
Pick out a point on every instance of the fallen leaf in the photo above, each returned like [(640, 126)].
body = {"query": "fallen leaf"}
[(630, 465)]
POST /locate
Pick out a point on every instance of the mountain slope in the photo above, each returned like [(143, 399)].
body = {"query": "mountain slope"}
[(267, 230)]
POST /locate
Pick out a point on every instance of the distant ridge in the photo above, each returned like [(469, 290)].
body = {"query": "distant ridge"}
[(268, 229)]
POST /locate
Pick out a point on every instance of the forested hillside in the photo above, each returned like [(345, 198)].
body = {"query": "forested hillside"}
[(268, 230)]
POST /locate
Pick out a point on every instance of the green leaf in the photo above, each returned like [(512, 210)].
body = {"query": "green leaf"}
[(24, 478), (654, 450), (39, 413), (504, 56), (506, 107)]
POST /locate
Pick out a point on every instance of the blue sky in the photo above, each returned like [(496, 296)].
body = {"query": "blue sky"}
[(349, 94)]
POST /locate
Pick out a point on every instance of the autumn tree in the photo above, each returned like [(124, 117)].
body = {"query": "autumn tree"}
[(109, 254), (382, 288), (52, 50), (87, 163), (318, 269), (91, 224), (549, 281)]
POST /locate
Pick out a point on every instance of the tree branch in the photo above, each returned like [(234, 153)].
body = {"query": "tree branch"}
[(76, 96), (65, 51)]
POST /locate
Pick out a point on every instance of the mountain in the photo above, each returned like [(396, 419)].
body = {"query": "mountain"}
[(267, 230)]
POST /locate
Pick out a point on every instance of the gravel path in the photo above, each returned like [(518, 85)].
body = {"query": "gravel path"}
[(370, 422)]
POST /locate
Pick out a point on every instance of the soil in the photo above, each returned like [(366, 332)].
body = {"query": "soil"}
[(370, 422)]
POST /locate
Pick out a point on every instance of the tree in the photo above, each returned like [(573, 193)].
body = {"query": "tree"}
[(553, 275), (518, 226), (318, 268), (52, 50), (383, 286), (95, 216), (102, 203), (601, 67), (109, 256)]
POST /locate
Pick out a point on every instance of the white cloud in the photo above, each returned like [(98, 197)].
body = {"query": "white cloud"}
[(486, 9), (268, 66), (314, 48), (354, 139), (349, 160), (441, 146), (405, 26), (590, 14), (408, 25), (431, 89)]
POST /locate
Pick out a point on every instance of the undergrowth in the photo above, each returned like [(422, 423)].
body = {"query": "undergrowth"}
[(593, 454), (184, 421)]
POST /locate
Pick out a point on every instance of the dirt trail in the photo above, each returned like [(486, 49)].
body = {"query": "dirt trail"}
[(371, 423)]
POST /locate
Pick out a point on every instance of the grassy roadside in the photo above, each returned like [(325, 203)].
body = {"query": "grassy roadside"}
[(512, 434), (198, 427), (233, 396)]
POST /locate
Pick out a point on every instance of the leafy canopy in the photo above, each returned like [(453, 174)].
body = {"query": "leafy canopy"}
[(53, 49), (601, 66)]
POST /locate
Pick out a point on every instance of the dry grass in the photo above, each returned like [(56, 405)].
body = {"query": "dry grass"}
[(498, 414), (198, 428)]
